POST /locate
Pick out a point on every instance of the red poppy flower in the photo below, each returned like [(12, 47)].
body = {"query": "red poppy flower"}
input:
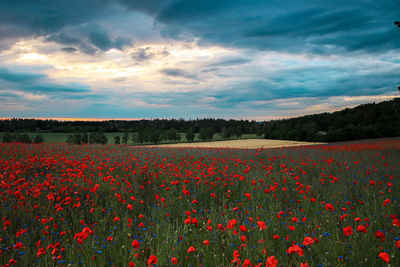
[(18, 245), (361, 228), (386, 202), (308, 241), (152, 260), (262, 225), (243, 228), (381, 235), (174, 260), (348, 230), (271, 262), (191, 249), (329, 207), (135, 244), (384, 256), (295, 249)]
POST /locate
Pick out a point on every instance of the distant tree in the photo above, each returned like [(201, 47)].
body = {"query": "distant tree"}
[(259, 130), (102, 138), (155, 136), (171, 134), (117, 140), (85, 138), (237, 131), (92, 138), (190, 135), (8, 138), (24, 138), (70, 139), (206, 133), (78, 138), (125, 138), (38, 139), (134, 138), (226, 132), (140, 138)]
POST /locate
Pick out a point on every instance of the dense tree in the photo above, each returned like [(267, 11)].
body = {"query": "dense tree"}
[(125, 138), (38, 139), (78, 138), (206, 133), (8, 138), (70, 139), (85, 138), (117, 140), (190, 135)]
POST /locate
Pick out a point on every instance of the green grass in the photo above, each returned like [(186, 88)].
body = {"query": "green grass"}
[(61, 137)]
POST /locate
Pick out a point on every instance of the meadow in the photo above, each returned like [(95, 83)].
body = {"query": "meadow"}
[(52, 137), (95, 205)]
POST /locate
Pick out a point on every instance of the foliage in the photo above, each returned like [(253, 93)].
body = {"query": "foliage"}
[(361, 122), (38, 139)]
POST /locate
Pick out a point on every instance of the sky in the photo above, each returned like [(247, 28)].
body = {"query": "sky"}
[(231, 59)]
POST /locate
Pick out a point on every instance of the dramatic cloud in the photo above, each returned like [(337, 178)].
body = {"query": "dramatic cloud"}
[(188, 58)]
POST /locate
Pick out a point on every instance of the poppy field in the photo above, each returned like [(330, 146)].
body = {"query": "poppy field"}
[(95, 205)]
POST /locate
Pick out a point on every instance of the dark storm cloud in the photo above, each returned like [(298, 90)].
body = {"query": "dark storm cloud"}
[(176, 72), (16, 77), (25, 18), (314, 26), (306, 26), (69, 49), (226, 62), (309, 83), (89, 38), (142, 54), (38, 83), (64, 22)]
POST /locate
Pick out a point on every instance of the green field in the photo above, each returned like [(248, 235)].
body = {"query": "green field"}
[(61, 137)]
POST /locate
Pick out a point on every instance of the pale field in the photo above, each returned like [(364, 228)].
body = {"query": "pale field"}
[(244, 143)]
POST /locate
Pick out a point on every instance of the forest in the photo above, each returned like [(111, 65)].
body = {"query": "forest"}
[(372, 120)]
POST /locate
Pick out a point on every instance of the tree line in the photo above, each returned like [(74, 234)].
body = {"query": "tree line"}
[(22, 138), (181, 125), (364, 121)]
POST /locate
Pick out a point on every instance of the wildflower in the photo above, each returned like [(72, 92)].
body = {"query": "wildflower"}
[(384, 256), (135, 244), (191, 249), (271, 262), (152, 260), (40, 252), (381, 235), (174, 260), (308, 241), (361, 228), (329, 207), (386, 202), (295, 249), (243, 228), (262, 225), (18, 245), (348, 230)]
